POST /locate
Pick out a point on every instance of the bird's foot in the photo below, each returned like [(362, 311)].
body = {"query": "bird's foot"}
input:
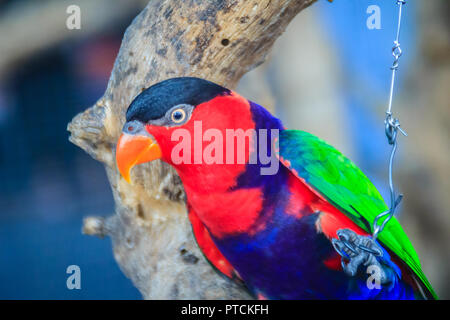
[(361, 251)]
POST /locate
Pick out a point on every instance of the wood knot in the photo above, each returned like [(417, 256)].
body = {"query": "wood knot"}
[(187, 256)]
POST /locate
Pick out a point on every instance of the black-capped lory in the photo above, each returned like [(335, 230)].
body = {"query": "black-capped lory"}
[(281, 210)]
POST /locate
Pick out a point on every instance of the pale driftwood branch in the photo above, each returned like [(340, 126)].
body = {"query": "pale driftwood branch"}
[(216, 40)]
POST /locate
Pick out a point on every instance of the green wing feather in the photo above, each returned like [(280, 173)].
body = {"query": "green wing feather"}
[(342, 183)]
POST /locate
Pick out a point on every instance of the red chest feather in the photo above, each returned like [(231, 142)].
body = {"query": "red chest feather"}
[(229, 212)]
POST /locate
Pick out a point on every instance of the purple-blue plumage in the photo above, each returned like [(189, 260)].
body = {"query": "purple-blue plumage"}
[(285, 260)]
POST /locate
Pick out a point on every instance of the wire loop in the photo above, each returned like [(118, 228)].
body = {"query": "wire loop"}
[(392, 126)]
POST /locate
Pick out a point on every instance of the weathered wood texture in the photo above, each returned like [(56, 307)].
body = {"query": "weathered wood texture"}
[(217, 40)]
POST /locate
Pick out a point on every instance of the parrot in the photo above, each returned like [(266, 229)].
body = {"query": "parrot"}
[(302, 229)]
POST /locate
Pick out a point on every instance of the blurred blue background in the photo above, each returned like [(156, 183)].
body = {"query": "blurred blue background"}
[(47, 185), (365, 57)]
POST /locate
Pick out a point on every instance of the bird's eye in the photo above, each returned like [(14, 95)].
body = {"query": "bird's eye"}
[(178, 115)]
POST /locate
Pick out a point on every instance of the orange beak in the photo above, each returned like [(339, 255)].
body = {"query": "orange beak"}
[(135, 149)]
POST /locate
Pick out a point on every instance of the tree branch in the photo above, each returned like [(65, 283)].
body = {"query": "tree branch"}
[(217, 40)]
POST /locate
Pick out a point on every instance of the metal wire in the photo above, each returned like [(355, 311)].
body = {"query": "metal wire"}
[(392, 126)]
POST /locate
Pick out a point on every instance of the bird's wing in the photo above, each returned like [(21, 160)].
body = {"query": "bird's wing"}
[(334, 177)]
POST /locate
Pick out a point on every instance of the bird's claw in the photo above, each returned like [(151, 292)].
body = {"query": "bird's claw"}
[(357, 251)]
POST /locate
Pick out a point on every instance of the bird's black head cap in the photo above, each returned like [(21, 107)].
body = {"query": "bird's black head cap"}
[(154, 101)]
